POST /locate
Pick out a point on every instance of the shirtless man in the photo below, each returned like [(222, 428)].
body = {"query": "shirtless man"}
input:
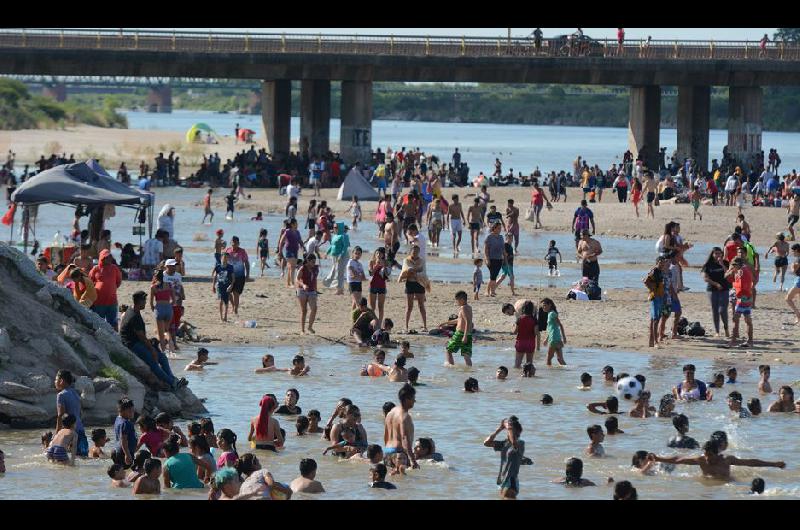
[(398, 372), (391, 240), (474, 218), (462, 338), (588, 250), (781, 249), (398, 433), (649, 188), (306, 482), (456, 213), (410, 211), (512, 223), (794, 213), (713, 464)]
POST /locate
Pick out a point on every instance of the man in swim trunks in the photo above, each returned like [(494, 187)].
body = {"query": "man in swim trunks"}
[(474, 218), (512, 223), (588, 250), (456, 213), (391, 239), (794, 213), (649, 188), (398, 433), (462, 338)]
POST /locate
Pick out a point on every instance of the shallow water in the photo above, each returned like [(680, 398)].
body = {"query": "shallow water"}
[(458, 423), (521, 147), (637, 254)]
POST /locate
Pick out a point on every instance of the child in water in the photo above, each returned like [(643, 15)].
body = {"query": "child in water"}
[(99, 439), (763, 382), (62, 447), (502, 373), (586, 381), (314, 418), (574, 475), (477, 278), (552, 256), (148, 483), (612, 426), (596, 438), (681, 441), (378, 474), (200, 361), (345, 447), (117, 474)]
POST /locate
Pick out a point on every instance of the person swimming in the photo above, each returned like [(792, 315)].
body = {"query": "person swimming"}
[(596, 437), (714, 464), (681, 441), (574, 475), (611, 406), (612, 426)]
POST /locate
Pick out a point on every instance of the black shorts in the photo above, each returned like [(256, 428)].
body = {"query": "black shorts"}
[(355, 287), (238, 284), (474, 226), (793, 219), (651, 196), (264, 253), (377, 290), (494, 268), (311, 224), (552, 262), (781, 262), (407, 221), (591, 270), (414, 288)]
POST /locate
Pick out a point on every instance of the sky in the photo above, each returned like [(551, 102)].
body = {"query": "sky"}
[(717, 34)]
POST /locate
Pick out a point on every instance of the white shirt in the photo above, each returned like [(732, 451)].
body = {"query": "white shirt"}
[(354, 266), (422, 242), (312, 246), (730, 184), (174, 281), (151, 252), (292, 191)]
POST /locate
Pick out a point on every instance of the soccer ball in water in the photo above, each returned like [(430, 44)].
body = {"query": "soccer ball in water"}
[(629, 388)]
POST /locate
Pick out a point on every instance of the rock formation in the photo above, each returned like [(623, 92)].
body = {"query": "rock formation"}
[(43, 329)]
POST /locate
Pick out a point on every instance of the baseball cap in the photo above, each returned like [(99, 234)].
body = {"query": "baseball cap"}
[(170, 262)]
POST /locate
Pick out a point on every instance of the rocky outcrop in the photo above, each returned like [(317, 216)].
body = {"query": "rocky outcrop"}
[(43, 329)]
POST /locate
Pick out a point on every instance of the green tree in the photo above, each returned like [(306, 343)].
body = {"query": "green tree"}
[(787, 34)]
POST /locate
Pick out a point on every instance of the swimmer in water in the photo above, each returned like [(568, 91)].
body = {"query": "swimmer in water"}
[(608, 375), (754, 406), (732, 374), (574, 475), (299, 366), (735, 405), (374, 454), (763, 379), (268, 365), (666, 407), (611, 406), (471, 385), (378, 474), (681, 441), (377, 367), (306, 482), (413, 376), (346, 447), (624, 491), (314, 418), (757, 486), (642, 408), (405, 349), (200, 361), (398, 372), (713, 463), (586, 381), (425, 449), (528, 370), (612, 426), (596, 437), (546, 399), (785, 401), (502, 373)]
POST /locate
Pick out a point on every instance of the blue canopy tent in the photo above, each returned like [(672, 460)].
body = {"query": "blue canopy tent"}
[(83, 183)]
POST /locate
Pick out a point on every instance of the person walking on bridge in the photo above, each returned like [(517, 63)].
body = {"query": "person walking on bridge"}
[(620, 41), (762, 45)]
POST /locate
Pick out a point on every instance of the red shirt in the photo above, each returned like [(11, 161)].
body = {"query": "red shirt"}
[(538, 197), (106, 279), (309, 278), (620, 35), (743, 283), (378, 281), (153, 441), (730, 250), (526, 328)]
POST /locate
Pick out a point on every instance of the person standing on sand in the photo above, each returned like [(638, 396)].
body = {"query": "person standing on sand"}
[(494, 252), (475, 219), (537, 203), (307, 292), (456, 213), (237, 256), (107, 278), (398, 434), (339, 249), (512, 222), (650, 188), (581, 220)]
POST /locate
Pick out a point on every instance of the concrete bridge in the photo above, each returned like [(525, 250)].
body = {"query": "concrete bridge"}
[(359, 61)]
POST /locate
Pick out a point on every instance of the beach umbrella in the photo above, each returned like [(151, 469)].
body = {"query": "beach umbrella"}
[(192, 133)]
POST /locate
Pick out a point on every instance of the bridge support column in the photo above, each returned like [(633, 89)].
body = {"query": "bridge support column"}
[(254, 103), (276, 113), (356, 132), (744, 124), (694, 108), (160, 99), (315, 115), (644, 121), (56, 91)]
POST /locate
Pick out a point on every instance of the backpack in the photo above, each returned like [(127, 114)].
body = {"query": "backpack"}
[(682, 325), (593, 290), (695, 330)]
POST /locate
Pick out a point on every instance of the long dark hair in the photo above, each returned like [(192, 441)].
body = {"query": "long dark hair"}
[(710, 261)]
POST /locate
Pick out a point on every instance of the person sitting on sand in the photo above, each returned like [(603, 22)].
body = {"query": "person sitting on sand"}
[(364, 323), (306, 482), (713, 463)]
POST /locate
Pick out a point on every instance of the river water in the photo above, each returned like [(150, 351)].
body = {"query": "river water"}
[(522, 147), (458, 423)]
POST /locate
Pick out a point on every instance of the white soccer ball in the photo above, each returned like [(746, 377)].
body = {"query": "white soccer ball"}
[(629, 388)]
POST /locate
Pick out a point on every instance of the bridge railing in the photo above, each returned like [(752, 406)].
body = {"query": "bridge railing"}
[(402, 45)]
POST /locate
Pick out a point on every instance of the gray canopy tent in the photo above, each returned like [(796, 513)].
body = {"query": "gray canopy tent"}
[(84, 183)]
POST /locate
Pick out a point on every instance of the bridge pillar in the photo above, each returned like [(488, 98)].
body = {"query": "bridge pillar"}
[(315, 115), (159, 99), (276, 114), (57, 91), (356, 133), (694, 108), (744, 124), (254, 103), (644, 121)]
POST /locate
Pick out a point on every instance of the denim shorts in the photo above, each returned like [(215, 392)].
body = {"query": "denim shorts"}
[(164, 312)]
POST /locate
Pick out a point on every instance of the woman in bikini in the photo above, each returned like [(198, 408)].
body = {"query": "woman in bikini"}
[(691, 389), (265, 431)]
